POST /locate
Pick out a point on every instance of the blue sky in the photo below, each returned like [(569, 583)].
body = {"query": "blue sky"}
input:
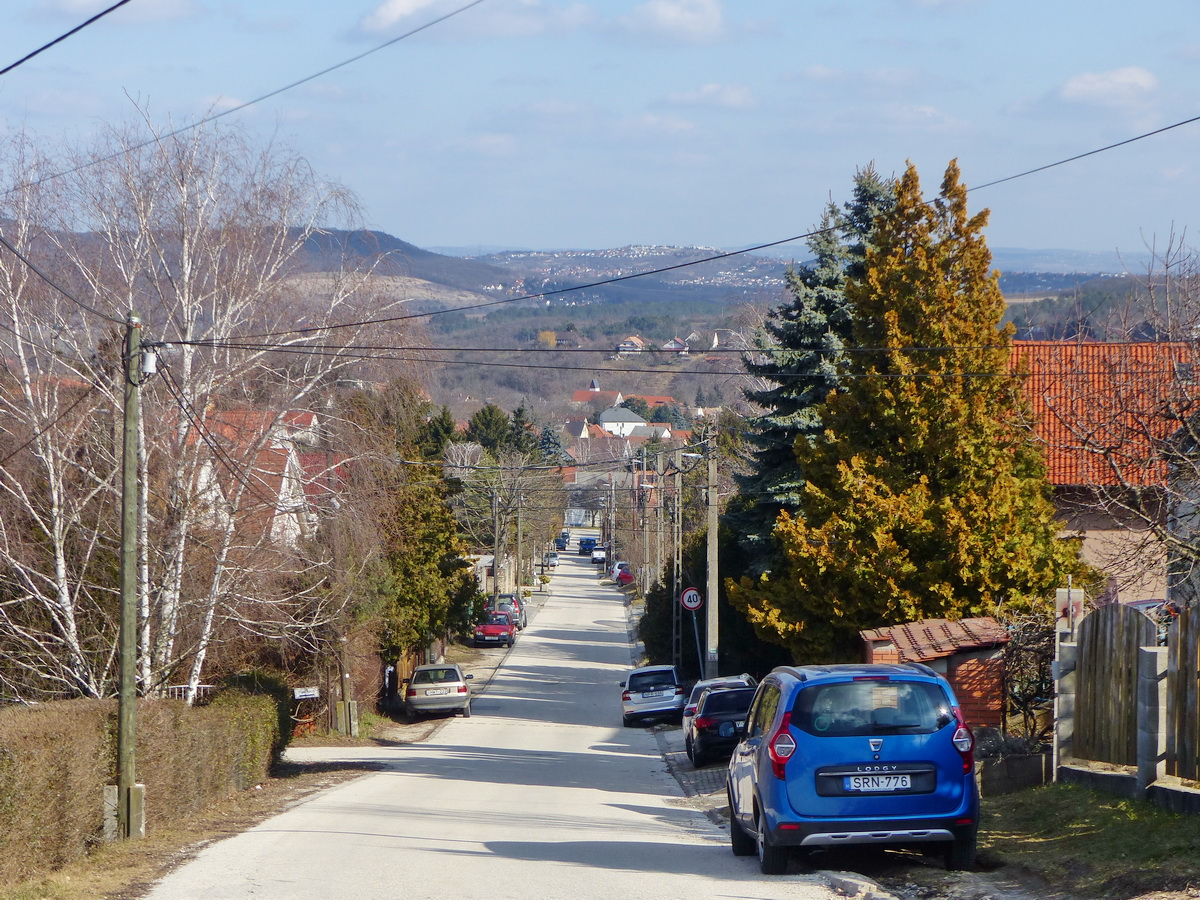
[(599, 123)]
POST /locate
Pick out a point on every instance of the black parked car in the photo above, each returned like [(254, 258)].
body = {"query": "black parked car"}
[(714, 728)]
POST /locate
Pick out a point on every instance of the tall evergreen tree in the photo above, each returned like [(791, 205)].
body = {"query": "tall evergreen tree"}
[(925, 495), (550, 445), (521, 436), (489, 427), (804, 343)]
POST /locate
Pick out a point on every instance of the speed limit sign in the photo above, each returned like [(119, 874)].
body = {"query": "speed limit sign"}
[(691, 599)]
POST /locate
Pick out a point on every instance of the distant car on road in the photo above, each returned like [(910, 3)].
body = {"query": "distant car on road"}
[(496, 628), (560, 543), (439, 688), (550, 559), (651, 692), (599, 556), (586, 545), (510, 603)]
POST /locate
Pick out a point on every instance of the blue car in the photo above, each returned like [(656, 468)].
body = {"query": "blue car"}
[(853, 754)]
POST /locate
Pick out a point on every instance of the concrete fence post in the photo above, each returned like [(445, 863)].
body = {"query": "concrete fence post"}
[(1151, 716), (1063, 671)]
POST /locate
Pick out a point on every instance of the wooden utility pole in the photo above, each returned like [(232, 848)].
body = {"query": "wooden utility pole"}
[(130, 798)]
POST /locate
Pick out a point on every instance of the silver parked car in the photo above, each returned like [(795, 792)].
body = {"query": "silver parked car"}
[(651, 692), (440, 688)]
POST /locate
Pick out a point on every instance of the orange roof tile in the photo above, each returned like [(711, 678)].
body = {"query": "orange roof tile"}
[(1102, 408), (936, 638)]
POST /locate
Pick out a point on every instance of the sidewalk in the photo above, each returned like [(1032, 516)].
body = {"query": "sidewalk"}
[(704, 786)]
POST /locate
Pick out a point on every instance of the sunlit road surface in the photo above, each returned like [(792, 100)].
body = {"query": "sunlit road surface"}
[(540, 794)]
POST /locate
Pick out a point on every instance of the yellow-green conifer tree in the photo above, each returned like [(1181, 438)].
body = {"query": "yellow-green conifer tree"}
[(926, 494)]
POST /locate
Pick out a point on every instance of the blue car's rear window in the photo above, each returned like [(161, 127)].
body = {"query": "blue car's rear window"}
[(871, 707)]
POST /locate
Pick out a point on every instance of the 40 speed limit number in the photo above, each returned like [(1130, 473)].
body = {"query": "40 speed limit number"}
[(691, 599)]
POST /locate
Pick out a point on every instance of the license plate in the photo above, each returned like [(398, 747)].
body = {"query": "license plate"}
[(491, 637), (649, 695), (741, 723), (878, 782), (434, 692)]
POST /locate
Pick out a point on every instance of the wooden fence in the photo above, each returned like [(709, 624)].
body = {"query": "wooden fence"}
[(1183, 696), (1106, 709)]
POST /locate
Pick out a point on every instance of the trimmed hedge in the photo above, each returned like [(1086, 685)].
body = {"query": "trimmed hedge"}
[(55, 759)]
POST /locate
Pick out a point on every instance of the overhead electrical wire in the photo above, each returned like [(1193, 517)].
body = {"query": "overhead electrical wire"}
[(183, 129), (63, 37), (91, 388), (46, 278)]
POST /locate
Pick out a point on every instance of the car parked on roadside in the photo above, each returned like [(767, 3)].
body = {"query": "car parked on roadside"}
[(560, 543), (869, 755), (712, 730), (625, 577), (599, 555), (496, 628), (438, 688), (510, 603), (731, 681), (651, 692), (550, 559)]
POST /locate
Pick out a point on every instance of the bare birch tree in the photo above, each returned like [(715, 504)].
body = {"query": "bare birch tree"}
[(205, 235)]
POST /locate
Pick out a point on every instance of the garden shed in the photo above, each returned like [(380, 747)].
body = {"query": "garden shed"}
[(968, 652)]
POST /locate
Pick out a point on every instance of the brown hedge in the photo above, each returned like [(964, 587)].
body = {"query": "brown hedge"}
[(55, 759)]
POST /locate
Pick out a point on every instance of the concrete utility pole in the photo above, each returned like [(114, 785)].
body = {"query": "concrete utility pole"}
[(130, 796), (710, 658), (520, 571), (677, 564), (495, 546)]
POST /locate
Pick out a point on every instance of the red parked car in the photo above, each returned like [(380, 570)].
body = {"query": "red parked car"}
[(496, 628)]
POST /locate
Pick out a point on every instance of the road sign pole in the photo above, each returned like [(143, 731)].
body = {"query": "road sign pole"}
[(699, 658)]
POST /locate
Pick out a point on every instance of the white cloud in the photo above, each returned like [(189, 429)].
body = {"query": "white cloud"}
[(731, 96), (686, 21), (1118, 88), (388, 13), (498, 19), (492, 144), (652, 124)]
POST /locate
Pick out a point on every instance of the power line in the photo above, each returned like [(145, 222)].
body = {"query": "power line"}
[(543, 294), (41, 431), (62, 37), (241, 106), (46, 278), (1078, 156)]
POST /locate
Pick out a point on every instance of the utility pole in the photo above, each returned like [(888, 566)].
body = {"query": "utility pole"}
[(130, 796), (677, 564), (644, 490), (710, 660), (495, 546), (660, 468), (520, 571)]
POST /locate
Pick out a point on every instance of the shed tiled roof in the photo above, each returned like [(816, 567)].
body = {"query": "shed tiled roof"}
[(936, 638), (1101, 409)]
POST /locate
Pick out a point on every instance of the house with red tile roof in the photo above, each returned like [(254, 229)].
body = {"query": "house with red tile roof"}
[(1103, 411)]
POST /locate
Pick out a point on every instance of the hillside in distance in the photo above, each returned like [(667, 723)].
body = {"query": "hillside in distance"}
[(586, 276)]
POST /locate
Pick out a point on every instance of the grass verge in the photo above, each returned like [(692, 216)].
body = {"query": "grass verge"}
[(1093, 845)]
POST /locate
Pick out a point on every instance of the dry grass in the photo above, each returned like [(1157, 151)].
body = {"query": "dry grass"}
[(1094, 845)]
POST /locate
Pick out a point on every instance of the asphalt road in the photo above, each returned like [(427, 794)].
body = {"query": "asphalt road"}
[(540, 794)]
